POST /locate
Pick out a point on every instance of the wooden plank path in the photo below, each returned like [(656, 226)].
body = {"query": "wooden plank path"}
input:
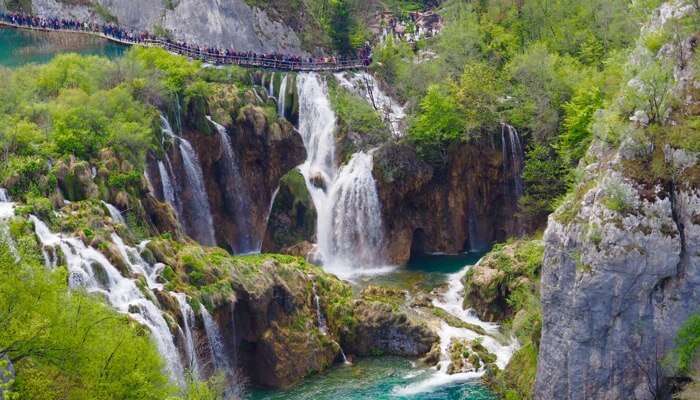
[(215, 58)]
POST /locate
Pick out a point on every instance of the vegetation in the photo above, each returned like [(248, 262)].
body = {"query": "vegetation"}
[(542, 67), (508, 277), (69, 344)]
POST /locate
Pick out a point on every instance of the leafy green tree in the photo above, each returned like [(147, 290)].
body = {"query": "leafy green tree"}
[(440, 119), (577, 134), (477, 94), (544, 177), (67, 344)]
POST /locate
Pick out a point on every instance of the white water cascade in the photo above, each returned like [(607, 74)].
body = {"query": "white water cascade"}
[(451, 301), (237, 197), (271, 88), (114, 213), (513, 158), (201, 227), (282, 96), (367, 87), (7, 211), (188, 322), (320, 320), (4, 196), (349, 223), (90, 270), (216, 342)]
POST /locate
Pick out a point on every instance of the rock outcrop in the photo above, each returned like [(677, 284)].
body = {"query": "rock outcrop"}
[(264, 150), (462, 206), (621, 268), (230, 24)]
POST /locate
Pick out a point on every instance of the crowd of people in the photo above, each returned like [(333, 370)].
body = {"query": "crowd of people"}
[(208, 54)]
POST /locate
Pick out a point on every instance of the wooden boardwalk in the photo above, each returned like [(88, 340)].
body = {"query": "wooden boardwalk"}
[(215, 58)]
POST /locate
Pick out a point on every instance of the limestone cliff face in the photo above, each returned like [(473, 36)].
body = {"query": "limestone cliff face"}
[(617, 286), (463, 206), (264, 150), (230, 23), (621, 271)]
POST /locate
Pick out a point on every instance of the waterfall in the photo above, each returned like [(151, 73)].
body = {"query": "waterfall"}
[(282, 96), (216, 342), (367, 87), (271, 89), (137, 264), (188, 322), (90, 270), (114, 213), (237, 197), (4, 196), (320, 320), (513, 158), (201, 226), (349, 223), (354, 228), (7, 211)]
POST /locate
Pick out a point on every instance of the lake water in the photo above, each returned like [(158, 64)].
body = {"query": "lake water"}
[(19, 47), (373, 379), (387, 378)]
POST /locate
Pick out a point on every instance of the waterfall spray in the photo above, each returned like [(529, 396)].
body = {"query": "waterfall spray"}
[(349, 223)]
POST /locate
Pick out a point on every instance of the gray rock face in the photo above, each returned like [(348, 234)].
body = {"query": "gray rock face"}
[(7, 374), (229, 23), (615, 290)]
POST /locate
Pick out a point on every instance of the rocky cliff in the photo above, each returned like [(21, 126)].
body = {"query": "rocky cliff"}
[(233, 24), (621, 269), (462, 205)]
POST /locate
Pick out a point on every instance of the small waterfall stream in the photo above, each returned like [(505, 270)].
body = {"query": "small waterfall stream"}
[(320, 320), (90, 270), (216, 342), (7, 211), (349, 223), (114, 213), (237, 197), (367, 87), (513, 159), (282, 96), (201, 227), (188, 321)]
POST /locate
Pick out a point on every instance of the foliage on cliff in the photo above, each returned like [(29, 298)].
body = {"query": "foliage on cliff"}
[(543, 67), (504, 286), (69, 344)]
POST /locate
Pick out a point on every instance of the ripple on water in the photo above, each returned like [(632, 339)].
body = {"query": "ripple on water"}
[(382, 378)]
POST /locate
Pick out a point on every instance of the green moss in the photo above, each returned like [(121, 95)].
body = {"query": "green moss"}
[(572, 203), (455, 322)]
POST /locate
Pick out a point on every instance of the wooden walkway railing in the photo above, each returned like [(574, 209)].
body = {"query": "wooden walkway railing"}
[(215, 58)]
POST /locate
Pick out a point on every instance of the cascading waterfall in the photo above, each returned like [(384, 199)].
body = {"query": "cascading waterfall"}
[(202, 226), (367, 87), (188, 322), (356, 230), (237, 197), (90, 270), (451, 301), (513, 158), (114, 213), (7, 211), (282, 96), (271, 88), (349, 224), (320, 320), (216, 342)]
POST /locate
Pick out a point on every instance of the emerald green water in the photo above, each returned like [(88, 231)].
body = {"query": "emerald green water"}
[(373, 379), (20, 47), (389, 378)]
